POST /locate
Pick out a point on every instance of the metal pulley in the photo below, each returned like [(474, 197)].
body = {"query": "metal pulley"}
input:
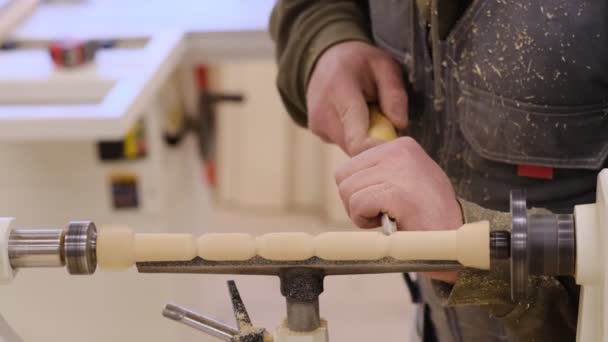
[(541, 244)]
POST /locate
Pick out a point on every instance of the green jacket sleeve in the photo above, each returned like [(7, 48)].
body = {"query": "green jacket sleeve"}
[(302, 31), (550, 302)]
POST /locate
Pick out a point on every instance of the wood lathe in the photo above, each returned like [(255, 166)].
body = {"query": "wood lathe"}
[(538, 244)]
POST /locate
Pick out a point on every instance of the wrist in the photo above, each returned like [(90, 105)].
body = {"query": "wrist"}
[(333, 34)]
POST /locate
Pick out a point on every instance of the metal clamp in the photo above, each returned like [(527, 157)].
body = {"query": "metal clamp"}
[(197, 321), (246, 332)]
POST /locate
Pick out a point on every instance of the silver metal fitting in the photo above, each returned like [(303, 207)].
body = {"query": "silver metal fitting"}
[(80, 247), (541, 244), (74, 248), (36, 248)]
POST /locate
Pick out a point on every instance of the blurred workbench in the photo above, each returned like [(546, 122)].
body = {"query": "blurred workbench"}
[(222, 29), (104, 99)]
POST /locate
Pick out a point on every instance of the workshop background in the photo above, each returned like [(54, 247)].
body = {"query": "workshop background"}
[(171, 123)]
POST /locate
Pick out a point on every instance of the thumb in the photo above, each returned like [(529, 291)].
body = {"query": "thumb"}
[(391, 93), (353, 112)]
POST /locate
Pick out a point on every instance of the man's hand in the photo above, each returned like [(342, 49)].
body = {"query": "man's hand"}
[(345, 79), (400, 179)]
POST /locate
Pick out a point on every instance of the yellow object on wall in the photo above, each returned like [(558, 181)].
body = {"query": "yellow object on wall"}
[(134, 144)]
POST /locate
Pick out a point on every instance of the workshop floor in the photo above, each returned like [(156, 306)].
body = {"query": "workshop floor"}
[(358, 308)]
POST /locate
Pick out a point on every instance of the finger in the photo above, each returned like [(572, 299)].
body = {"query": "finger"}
[(351, 107), (325, 124), (334, 130), (366, 205), (364, 160), (358, 181), (338, 132), (369, 143), (391, 92)]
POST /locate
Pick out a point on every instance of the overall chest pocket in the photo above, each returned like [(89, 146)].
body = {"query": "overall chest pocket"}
[(515, 132), (525, 89), (393, 26), (396, 29)]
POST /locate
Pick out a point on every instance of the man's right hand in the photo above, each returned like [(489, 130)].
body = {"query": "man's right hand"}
[(346, 78)]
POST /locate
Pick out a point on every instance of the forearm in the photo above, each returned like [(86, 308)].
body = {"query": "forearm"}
[(302, 31)]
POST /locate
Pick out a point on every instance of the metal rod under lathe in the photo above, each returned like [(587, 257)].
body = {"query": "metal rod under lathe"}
[(301, 288), (36, 248), (199, 322), (303, 315)]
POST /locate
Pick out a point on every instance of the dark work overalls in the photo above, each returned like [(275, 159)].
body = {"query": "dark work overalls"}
[(508, 94)]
